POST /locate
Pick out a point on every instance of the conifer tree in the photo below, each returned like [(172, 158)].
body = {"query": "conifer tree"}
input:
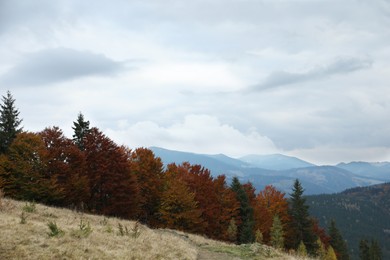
[(364, 250), (330, 254), (302, 252), (301, 225), (81, 129), (277, 234), (245, 229), (9, 122), (375, 250), (337, 242)]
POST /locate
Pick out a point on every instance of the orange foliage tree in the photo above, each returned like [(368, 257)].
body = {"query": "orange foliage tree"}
[(66, 163), (23, 171), (150, 176), (113, 189), (269, 203), (179, 209)]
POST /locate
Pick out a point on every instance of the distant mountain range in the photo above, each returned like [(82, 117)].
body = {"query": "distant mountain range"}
[(281, 171), (360, 213)]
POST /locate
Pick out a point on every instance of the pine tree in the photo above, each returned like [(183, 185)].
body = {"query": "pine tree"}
[(364, 250), (302, 252), (375, 250), (245, 229), (301, 225), (81, 129), (9, 122), (337, 242), (277, 239), (232, 231), (330, 254)]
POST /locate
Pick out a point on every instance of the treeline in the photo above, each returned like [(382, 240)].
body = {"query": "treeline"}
[(91, 172)]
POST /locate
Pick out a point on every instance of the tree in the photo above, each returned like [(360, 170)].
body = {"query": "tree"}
[(66, 163), (337, 242), (330, 254), (301, 251), (150, 176), (9, 122), (277, 234), (228, 209), (301, 225), (113, 188), (369, 251), (81, 129), (232, 231), (245, 229), (269, 203), (23, 171), (179, 210), (375, 250), (364, 250)]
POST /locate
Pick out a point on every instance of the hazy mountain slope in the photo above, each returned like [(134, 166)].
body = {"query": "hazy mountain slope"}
[(371, 170), (275, 162), (362, 212), (315, 179)]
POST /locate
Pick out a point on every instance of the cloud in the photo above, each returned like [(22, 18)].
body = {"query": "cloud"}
[(196, 133), (340, 66), (51, 66)]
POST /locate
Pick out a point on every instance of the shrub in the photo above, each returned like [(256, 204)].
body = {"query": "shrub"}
[(55, 231), (136, 230), (84, 230), (30, 207), (23, 218)]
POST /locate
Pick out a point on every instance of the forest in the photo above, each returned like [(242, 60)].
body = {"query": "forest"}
[(91, 173)]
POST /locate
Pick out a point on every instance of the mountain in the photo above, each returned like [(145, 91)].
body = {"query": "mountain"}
[(275, 162), (360, 213), (315, 179), (379, 170)]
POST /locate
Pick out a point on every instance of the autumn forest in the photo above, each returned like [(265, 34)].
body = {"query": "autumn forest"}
[(90, 172)]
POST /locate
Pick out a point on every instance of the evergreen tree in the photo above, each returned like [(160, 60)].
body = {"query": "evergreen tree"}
[(245, 229), (81, 129), (277, 239), (302, 252), (9, 122), (375, 250), (301, 225), (364, 250), (337, 242), (330, 254)]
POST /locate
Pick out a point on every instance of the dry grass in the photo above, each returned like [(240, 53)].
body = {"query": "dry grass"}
[(26, 235), (32, 241)]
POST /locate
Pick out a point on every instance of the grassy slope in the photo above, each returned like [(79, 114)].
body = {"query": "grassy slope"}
[(31, 240)]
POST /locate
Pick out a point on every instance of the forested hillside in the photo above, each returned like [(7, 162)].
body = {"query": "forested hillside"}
[(361, 213), (91, 173)]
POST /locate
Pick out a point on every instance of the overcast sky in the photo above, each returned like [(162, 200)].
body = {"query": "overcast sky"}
[(306, 78)]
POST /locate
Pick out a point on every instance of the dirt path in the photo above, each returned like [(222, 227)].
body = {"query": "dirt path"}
[(204, 254)]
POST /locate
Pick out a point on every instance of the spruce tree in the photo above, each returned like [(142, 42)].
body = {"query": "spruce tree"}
[(301, 224), (364, 250), (375, 250), (277, 234), (337, 242), (9, 122), (81, 129), (245, 229)]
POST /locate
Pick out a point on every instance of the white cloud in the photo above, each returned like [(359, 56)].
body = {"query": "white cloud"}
[(197, 133)]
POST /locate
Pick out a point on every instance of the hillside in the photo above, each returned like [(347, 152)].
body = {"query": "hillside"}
[(84, 236), (359, 213)]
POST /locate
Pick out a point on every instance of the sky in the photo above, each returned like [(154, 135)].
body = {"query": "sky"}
[(305, 78)]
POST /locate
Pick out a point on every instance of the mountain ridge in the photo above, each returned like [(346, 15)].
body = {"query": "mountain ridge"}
[(316, 179)]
